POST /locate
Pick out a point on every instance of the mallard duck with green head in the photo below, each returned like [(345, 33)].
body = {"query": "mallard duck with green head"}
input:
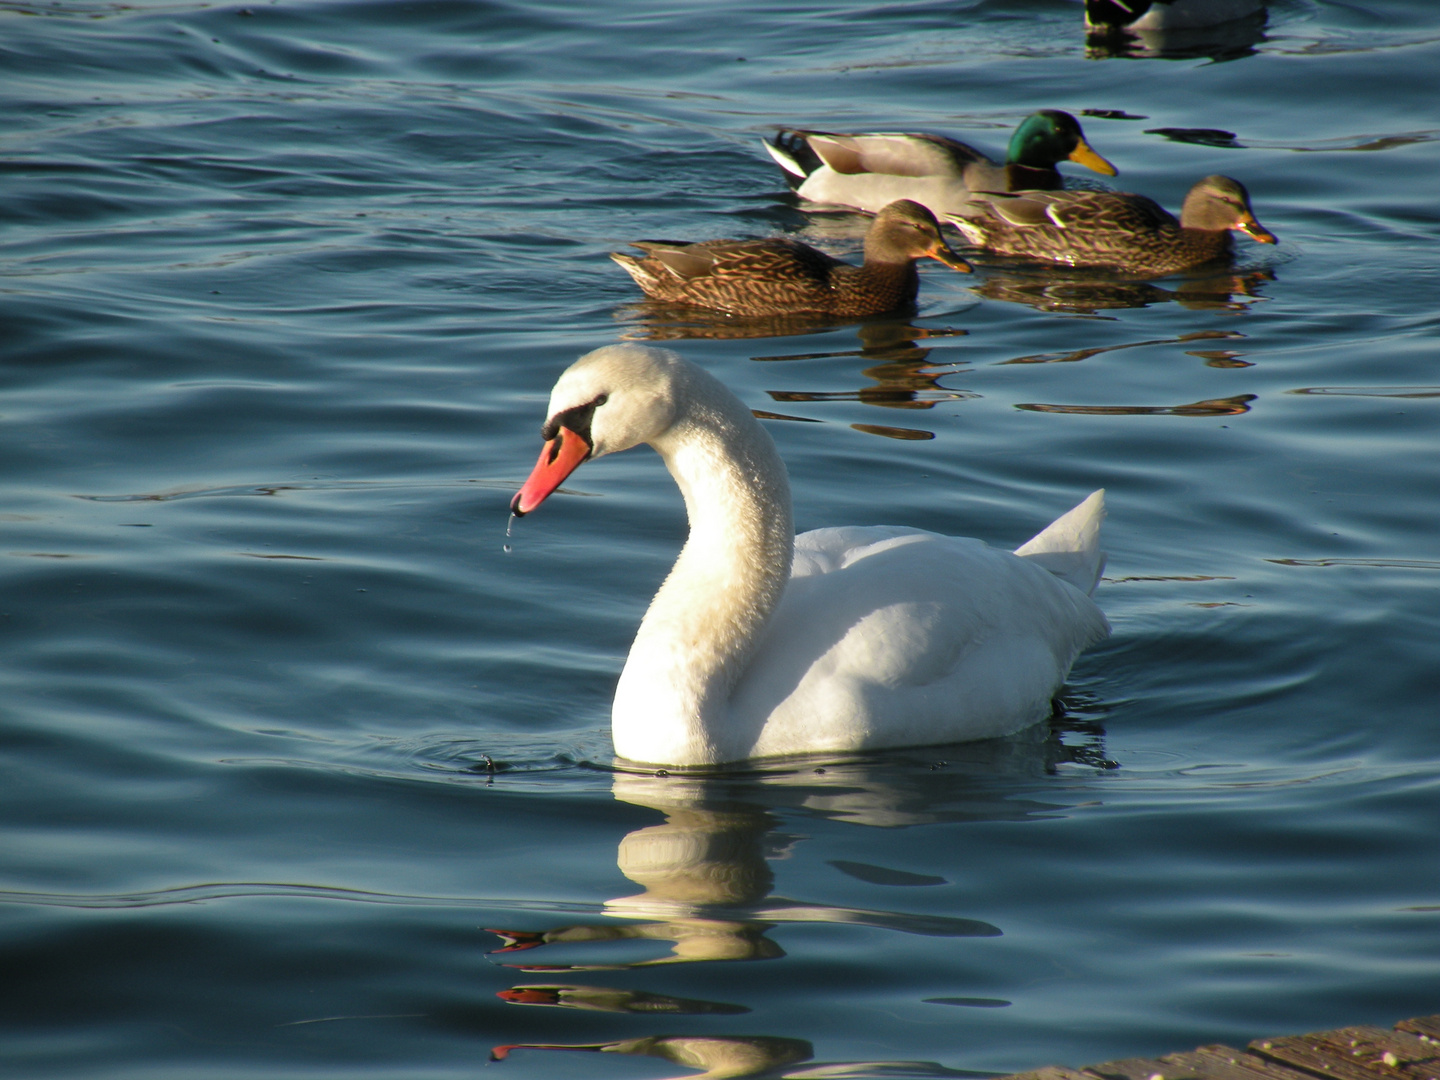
[(1113, 229), (867, 171), (779, 276), (1112, 16)]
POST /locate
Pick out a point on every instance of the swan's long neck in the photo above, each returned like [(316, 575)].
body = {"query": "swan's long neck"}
[(699, 633)]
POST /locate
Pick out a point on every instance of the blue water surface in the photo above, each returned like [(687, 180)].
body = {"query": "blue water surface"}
[(306, 763)]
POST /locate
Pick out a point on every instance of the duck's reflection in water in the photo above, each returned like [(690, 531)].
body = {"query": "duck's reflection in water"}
[(902, 373), (1089, 292), (1229, 40), (905, 380), (657, 321), (1212, 357), (707, 889), (1229, 406)]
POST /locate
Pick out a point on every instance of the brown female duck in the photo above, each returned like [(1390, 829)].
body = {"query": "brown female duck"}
[(780, 276), (1113, 229)]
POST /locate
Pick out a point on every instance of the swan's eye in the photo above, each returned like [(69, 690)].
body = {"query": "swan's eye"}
[(576, 419)]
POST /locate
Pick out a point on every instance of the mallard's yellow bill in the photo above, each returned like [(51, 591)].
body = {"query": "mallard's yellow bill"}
[(1083, 155)]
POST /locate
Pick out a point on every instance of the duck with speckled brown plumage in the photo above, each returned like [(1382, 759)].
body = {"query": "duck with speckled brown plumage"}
[(867, 171), (778, 276), (1113, 229)]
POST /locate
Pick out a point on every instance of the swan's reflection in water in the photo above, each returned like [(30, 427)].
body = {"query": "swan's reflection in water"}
[(609, 999), (704, 879), (736, 1056), (707, 883), (753, 1057), (707, 891)]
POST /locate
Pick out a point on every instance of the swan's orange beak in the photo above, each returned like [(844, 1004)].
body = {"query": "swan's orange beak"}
[(559, 457), (500, 1053), (531, 995), (515, 940)]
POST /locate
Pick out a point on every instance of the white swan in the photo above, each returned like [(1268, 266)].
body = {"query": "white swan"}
[(761, 643)]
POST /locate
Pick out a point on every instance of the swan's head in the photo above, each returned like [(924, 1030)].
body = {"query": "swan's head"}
[(608, 400)]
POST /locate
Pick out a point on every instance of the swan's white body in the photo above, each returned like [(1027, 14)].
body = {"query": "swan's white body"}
[(761, 643)]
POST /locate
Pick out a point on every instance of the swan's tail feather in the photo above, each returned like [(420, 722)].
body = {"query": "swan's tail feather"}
[(1069, 547)]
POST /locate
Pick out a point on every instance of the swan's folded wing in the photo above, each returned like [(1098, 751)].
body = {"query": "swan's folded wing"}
[(892, 637)]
